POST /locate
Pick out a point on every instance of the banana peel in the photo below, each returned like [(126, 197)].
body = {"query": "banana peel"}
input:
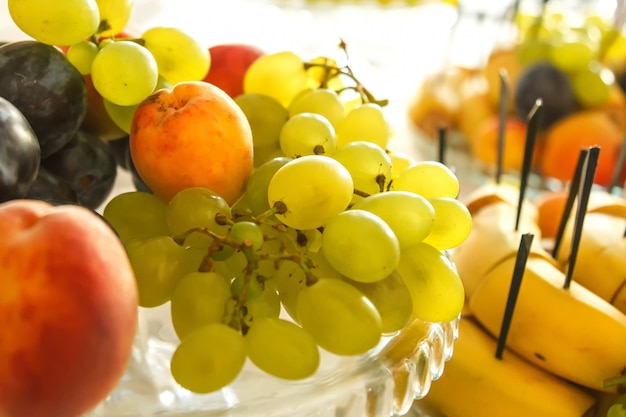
[(477, 384), (601, 259), (572, 332), (493, 238)]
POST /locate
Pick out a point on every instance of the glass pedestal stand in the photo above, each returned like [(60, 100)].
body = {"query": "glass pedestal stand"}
[(359, 386)]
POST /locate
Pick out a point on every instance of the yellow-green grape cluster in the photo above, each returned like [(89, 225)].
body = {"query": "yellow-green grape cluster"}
[(331, 248), (298, 108), (584, 48), (123, 70)]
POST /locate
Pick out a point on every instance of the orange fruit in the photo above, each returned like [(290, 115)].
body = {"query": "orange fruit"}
[(565, 139)]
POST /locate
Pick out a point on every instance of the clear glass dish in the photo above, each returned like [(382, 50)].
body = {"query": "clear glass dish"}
[(370, 385)]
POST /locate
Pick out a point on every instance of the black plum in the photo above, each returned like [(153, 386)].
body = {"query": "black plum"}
[(87, 164), (50, 92), (120, 148), (19, 153), (52, 189), (547, 82)]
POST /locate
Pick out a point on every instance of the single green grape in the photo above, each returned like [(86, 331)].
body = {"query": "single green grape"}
[(159, 264), (368, 164), (290, 279), (258, 182), (124, 73), (282, 348), (410, 216), (136, 214), (366, 122), (307, 134), (399, 162), (209, 358), (56, 23), (179, 56), (616, 410), (360, 245), (392, 300), (81, 55), (266, 117), (314, 189), (248, 233), (429, 179), (323, 101), (435, 286), (340, 318), (200, 298), (572, 56), (265, 304), (194, 208), (452, 225), (592, 86), (116, 14), (122, 116), (280, 75), (266, 153)]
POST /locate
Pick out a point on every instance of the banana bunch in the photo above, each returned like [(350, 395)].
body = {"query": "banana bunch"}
[(601, 261), (562, 343)]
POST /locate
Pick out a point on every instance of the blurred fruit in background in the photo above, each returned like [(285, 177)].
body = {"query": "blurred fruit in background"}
[(571, 57)]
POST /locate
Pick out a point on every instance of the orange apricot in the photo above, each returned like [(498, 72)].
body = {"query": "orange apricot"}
[(565, 139), (550, 206), (484, 146), (193, 135)]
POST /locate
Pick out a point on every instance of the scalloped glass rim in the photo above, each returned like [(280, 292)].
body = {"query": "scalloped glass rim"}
[(352, 386)]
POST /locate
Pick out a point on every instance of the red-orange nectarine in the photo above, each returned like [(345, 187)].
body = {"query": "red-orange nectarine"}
[(68, 308), (229, 63)]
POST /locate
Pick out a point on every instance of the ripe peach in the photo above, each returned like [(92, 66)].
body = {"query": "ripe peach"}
[(68, 309), (193, 135), (229, 63), (565, 139)]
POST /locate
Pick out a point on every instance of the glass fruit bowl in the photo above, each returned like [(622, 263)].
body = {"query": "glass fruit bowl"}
[(381, 383)]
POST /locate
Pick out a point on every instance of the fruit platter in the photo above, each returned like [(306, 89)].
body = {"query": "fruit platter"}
[(199, 220)]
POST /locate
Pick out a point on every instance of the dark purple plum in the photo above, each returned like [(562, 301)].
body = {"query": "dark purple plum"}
[(19, 153), (50, 92), (52, 189), (88, 165), (547, 82)]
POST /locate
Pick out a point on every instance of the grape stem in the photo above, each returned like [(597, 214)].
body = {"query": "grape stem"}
[(332, 71)]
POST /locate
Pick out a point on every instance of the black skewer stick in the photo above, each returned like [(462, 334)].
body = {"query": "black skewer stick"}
[(534, 121), (516, 282), (581, 209), (443, 143), (618, 168), (569, 203), (502, 116)]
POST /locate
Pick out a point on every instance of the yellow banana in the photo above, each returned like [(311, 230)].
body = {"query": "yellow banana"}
[(572, 333), (492, 239), (477, 384), (601, 258)]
